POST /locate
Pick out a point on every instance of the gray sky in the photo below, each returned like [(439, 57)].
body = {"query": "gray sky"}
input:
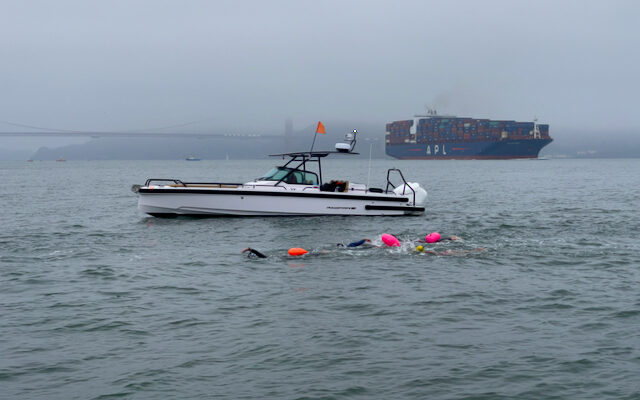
[(140, 64)]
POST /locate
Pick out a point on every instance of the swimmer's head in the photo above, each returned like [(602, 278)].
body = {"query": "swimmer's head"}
[(420, 249)]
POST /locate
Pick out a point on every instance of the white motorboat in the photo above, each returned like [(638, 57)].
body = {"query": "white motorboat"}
[(293, 189)]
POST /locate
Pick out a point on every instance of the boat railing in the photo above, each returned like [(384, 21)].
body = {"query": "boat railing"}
[(213, 184), (179, 183), (254, 186), (175, 181), (405, 185)]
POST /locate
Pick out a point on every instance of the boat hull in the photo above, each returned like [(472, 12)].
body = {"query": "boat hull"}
[(220, 202), (498, 149)]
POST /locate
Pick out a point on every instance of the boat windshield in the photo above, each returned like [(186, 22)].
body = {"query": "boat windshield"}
[(297, 176)]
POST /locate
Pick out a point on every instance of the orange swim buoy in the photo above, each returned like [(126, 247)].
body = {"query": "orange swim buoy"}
[(297, 251)]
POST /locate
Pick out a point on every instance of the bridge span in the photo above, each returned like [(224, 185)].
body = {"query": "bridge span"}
[(140, 135)]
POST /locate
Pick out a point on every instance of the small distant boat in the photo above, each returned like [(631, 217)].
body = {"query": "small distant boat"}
[(61, 159), (192, 158)]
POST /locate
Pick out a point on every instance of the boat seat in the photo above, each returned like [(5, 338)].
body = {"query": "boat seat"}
[(335, 186)]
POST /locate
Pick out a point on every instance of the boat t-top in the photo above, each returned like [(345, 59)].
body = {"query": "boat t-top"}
[(295, 188)]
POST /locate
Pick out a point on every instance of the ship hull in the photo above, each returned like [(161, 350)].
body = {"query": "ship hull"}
[(468, 150)]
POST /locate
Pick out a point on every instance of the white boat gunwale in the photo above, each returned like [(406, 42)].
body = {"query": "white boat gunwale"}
[(335, 195)]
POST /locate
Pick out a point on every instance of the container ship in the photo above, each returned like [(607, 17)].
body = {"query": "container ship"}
[(433, 136)]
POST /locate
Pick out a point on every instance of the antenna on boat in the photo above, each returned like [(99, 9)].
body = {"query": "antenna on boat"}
[(369, 171)]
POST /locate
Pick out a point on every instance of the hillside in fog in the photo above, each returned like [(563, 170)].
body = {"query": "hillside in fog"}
[(570, 143), (573, 143)]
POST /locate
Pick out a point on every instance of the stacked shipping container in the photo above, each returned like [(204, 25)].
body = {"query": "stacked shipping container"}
[(458, 129), (399, 132)]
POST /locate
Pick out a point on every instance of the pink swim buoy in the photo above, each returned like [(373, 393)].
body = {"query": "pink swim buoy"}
[(390, 240), (432, 237)]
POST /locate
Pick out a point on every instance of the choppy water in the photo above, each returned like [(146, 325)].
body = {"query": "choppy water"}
[(99, 301)]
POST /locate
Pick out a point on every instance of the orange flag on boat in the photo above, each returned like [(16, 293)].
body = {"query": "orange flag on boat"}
[(320, 128)]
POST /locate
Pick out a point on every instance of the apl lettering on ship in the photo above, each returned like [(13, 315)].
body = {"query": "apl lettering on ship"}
[(433, 136)]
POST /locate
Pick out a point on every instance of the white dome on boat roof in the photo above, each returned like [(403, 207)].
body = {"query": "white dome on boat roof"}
[(343, 147)]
